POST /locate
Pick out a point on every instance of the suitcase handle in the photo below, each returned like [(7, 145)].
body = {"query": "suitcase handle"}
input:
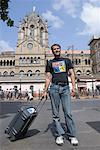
[(38, 105)]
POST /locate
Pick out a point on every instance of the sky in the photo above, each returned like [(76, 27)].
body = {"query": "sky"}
[(71, 23)]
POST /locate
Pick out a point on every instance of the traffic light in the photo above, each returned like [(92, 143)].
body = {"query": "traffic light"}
[(10, 22)]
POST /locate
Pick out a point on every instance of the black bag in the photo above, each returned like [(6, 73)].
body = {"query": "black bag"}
[(21, 122)]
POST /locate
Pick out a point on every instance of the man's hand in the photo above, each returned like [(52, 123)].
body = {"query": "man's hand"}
[(73, 92), (44, 95)]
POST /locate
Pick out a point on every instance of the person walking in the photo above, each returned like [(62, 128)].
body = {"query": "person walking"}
[(57, 71)]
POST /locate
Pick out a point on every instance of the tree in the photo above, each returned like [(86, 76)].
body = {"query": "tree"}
[(4, 13)]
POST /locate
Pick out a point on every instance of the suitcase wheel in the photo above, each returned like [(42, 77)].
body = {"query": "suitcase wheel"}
[(12, 138), (6, 130)]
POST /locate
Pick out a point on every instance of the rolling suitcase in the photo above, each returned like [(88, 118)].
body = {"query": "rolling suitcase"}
[(21, 122)]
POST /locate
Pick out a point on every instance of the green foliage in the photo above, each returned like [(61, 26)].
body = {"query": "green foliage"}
[(4, 16), (4, 4), (4, 13), (10, 22)]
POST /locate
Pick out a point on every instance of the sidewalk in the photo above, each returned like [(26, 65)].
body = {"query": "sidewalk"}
[(38, 98)]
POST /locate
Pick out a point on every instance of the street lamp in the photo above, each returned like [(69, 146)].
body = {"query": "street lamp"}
[(20, 85), (82, 54), (92, 86), (78, 95)]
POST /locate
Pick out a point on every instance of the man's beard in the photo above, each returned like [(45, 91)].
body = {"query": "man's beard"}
[(57, 53)]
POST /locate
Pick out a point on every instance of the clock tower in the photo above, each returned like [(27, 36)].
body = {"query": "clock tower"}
[(32, 45)]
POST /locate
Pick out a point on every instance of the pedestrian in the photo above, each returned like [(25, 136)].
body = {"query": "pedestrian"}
[(57, 71), (30, 96)]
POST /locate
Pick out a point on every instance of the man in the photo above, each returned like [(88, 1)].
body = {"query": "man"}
[(57, 71)]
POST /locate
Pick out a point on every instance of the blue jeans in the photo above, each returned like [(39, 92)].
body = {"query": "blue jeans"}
[(61, 94)]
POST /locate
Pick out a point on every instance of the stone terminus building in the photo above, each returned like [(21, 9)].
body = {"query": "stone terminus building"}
[(25, 66)]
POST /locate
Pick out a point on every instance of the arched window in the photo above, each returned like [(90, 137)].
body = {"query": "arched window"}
[(35, 60), (4, 63), (31, 60), (85, 61), (88, 72), (21, 73), (24, 60), (14, 63), (41, 35), (5, 73), (78, 72), (29, 73), (79, 61), (88, 61), (32, 30), (28, 60), (76, 61), (37, 72), (12, 73), (20, 60), (38, 60), (38, 57), (7, 62), (10, 62), (1, 63)]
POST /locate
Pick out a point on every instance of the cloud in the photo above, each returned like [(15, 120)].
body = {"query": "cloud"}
[(4, 46), (95, 2), (90, 16), (73, 7), (68, 6), (88, 11), (55, 20)]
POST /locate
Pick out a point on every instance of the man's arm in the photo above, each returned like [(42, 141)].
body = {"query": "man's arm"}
[(48, 80), (72, 77), (47, 83)]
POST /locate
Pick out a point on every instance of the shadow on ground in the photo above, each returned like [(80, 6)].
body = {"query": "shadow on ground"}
[(95, 125)]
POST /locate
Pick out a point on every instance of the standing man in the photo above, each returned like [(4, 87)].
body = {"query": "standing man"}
[(57, 71)]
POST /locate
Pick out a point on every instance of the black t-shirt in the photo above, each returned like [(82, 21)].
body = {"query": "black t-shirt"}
[(59, 67)]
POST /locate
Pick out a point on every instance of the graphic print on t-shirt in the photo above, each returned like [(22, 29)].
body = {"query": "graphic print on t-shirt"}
[(59, 66)]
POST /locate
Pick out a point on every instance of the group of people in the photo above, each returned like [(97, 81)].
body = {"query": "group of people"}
[(14, 94)]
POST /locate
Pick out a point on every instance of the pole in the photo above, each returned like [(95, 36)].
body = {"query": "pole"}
[(20, 87), (82, 63), (73, 54), (78, 95), (92, 87)]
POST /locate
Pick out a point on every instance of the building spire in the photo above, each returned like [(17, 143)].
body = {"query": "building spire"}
[(34, 8)]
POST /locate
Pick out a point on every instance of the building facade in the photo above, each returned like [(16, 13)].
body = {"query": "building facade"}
[(27, 63), (95, 54), (25, 66)]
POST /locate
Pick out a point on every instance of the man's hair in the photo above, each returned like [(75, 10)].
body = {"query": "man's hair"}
[(55, 45)]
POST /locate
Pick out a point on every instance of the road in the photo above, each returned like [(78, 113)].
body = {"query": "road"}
[(40, 135)]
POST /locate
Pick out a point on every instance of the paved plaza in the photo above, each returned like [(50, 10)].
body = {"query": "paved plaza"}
[(86, 114)]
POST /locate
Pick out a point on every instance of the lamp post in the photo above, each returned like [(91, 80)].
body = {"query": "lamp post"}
[(78, 95), (20, 85), (92, 86), (82, 55)]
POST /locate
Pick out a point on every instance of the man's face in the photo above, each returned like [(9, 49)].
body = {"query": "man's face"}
[(56, 50)]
